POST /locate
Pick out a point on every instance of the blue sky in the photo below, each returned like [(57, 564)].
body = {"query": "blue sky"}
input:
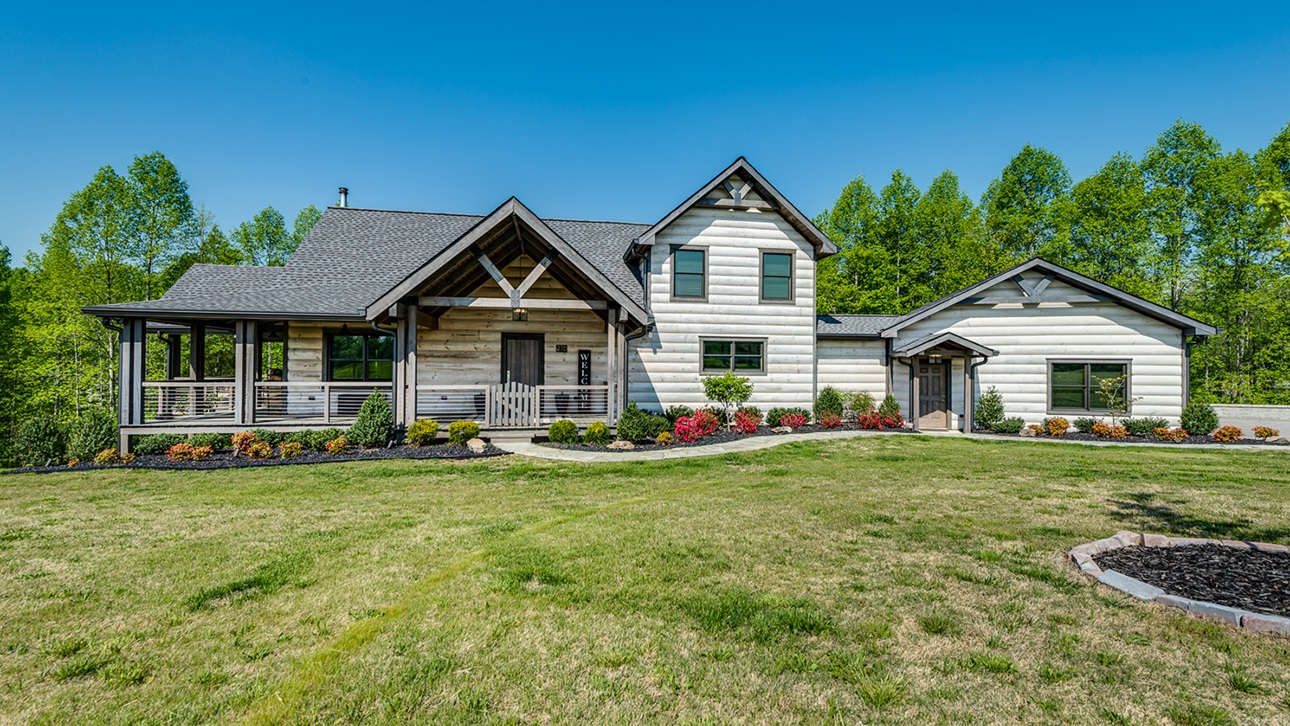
[(604, 111)]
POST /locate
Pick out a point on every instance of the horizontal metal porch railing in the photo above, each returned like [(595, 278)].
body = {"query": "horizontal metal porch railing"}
[(320, 401), (513, 405), (171, 400)]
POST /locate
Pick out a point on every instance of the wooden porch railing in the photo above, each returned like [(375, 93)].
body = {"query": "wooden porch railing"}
[(324, 401), (170, 400), (513, 405)]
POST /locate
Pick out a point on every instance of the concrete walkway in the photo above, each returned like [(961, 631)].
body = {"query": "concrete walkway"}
[(756, 443)]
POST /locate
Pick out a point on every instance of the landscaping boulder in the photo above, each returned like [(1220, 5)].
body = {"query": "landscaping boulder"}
[(621, 445), (1029, 432), (476, 445), (782, 430)]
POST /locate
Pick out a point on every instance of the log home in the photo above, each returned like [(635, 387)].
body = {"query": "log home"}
[(514, 321)]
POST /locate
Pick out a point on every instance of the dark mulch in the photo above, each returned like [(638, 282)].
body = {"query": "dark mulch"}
[(1247, 579), (721, 436), (226, 460), (1080, 436)]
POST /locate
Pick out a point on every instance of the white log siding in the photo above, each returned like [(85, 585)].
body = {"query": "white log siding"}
[(664, 366), (1028, 337), (467, 347), (304, 351), (852, 366)]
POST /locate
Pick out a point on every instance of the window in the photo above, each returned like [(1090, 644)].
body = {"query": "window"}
[(688, 274), (776, 277), (740, 356), (361, 357), (1076, 386)]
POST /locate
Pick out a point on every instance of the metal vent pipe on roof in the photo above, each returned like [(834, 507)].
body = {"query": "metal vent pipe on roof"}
[(344, 197)]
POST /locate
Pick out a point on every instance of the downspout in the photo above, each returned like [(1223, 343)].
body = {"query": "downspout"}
[(972, 377), (636, 334)]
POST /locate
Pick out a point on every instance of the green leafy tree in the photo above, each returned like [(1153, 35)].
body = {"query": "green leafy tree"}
[(11, 381), (1023, 206), (953, 249), (304, 222), (160, 217), (1110, 229), (264, 240)]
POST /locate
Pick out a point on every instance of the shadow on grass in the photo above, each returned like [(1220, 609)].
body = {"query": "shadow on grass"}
[(1143, 513)]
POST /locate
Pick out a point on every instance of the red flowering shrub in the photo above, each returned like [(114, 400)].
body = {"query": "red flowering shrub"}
[(875, 421), (1265, 433), (1164, 434), (257, 450), (337, 445), (792, 420), (1228, 434), (746, 421), (241, 440), (692, 428), (187, 452), (893, 421), (830, 420)]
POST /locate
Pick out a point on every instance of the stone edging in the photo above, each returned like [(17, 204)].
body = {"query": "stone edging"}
[(1082, 556)]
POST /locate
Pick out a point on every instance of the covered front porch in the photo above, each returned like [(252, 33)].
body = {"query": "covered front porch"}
[(932, 362)]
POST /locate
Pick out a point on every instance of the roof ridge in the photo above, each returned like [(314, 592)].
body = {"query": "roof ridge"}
[(481, 216)]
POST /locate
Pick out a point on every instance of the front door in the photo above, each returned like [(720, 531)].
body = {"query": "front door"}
[(522, 359), (933, 398)]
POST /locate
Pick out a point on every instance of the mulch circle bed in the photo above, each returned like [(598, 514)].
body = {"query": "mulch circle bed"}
[(1247, 579), (720, 436), (226, 460)]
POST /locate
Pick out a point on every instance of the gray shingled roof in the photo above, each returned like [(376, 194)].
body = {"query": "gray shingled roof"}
[(852, 326), (353, 256)]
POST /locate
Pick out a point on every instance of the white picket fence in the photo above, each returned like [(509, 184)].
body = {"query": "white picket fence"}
[(513, 405)]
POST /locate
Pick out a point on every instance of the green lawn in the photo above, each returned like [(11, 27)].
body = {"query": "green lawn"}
[(888, 579)]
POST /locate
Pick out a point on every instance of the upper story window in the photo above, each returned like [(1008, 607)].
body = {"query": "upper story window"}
[(776, 277), (1076, 386), (360, 357), (689, 274)]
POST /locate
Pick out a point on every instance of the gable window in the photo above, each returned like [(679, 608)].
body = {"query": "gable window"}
[(1076, 386), (360, 357), (740, 356), (776, 277), (689, 278)]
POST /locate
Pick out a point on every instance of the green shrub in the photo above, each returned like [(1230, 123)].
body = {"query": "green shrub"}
[(330, 434), (774, 417), (637, 425), (423, 432), (889, 408), (214, 441), (861, 402), (1199, 419), (40, 440), (1144, 426), (728, 389), (93, 432), (459, 432), (1084, 424), (829, 401), (989, 409), (597, 434), (272, 438), (153, 444), (1008, 426), (674, 412), (374, 425), (563, 431), (312, 440)]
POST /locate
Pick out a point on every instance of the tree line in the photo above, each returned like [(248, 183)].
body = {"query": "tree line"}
[(123, 237), (1186, 225)]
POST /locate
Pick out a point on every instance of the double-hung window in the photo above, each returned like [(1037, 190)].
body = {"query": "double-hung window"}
[(776, 277), (1077, 386), (689, 274), (740, 356), (360, 357)]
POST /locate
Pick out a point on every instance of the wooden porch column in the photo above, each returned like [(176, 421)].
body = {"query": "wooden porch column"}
[(133, 364), (174, 361), (405, 366), (197, 351), (245, 354), (913, 392), (611, 375)]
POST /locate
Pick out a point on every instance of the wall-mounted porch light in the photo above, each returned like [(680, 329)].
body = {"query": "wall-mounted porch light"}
[(934, 358), (519, 315)]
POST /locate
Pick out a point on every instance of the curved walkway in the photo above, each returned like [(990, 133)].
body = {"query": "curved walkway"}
[(755, 443)]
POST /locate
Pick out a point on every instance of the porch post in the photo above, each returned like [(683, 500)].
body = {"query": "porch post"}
[(173, 360), (197, 351), (611, 375), (913, 391), (967, 394), (130, 378), (244, 358), (405, 366)]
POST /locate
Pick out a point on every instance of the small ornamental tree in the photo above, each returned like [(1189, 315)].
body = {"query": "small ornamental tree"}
[(989, 409), (729, 390), (1113, 392), (890, 410), (374, 425), (829, 401)]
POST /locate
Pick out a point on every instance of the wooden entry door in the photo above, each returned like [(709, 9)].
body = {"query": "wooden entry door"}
[(523, 359), (933, 396)]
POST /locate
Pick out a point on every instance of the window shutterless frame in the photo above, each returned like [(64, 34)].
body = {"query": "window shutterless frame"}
[(366, 356), (690, 271), (1063, 387), (745, 356), (776, 268)]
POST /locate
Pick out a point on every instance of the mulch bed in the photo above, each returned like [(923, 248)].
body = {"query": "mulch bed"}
[(1081, 436), (721, 436), (226, 460), (1247, 579)]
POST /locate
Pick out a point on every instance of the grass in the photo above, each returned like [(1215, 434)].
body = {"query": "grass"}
[(881, 580)]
